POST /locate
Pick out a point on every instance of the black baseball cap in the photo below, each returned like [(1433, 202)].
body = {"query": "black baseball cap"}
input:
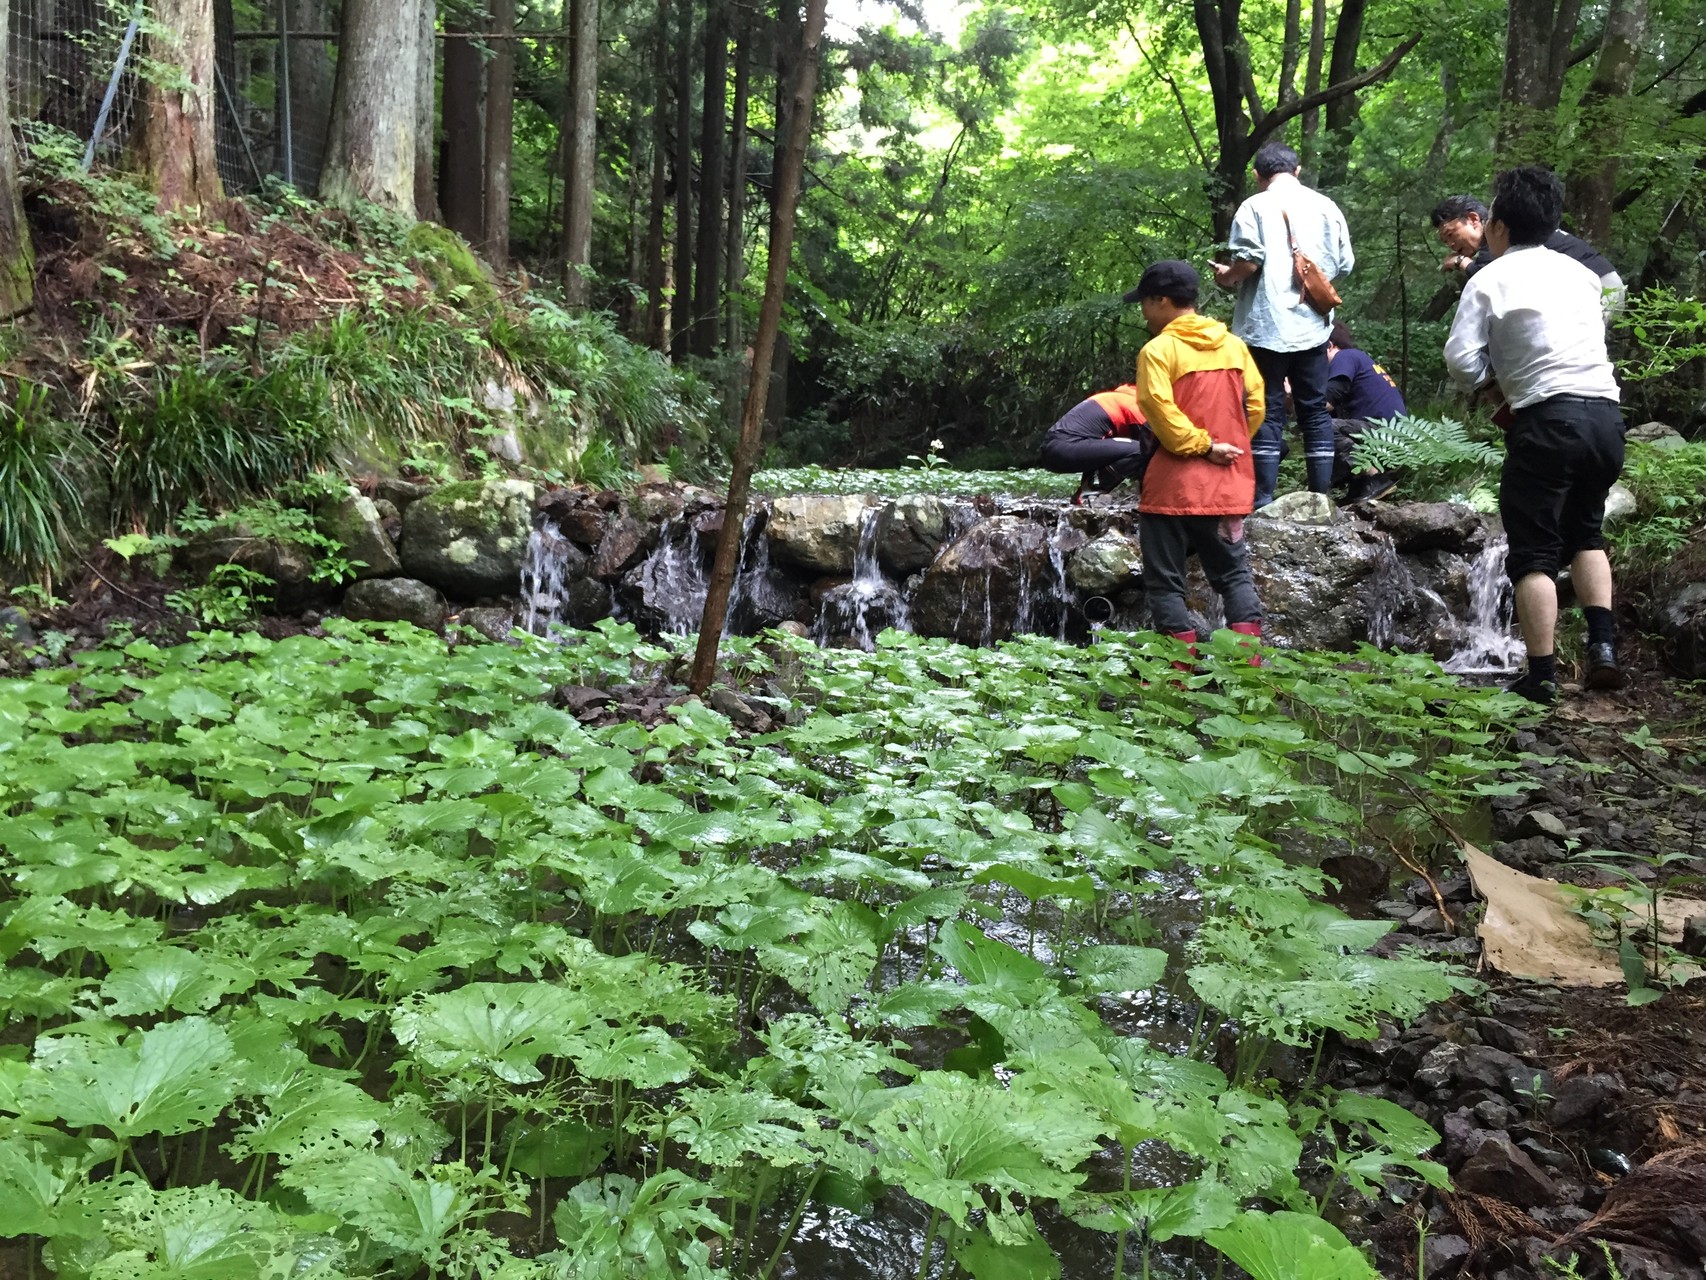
[(1169, 278)]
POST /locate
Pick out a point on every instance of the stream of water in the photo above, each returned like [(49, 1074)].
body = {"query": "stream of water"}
[(1489, 645)]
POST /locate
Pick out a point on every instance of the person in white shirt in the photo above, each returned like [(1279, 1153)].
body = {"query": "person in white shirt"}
[(1286, 335), (1529, 325)]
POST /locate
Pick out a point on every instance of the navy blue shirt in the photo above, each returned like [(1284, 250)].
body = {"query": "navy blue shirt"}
[(1359, 388)]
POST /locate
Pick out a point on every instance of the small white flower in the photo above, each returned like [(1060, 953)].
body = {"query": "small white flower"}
[(936, 445)]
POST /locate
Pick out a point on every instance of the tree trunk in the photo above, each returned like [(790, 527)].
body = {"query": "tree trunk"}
[(371, 155), (1342, 112), (737, 183), (1600, 125), (17, 254), (175, 146), (426, 113), (681, 308), (580, 184), (707, 272), (1292, 52), (639, 170), (462, 173), (500, 132), (1312, 84), (656, 268), (1538, 35), (764, 346), (312, 76)]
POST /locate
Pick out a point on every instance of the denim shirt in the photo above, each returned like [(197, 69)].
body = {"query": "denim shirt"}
[(1270, 312)]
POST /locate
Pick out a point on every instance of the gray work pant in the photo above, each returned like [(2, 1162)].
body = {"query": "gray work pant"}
[(1168, 543)]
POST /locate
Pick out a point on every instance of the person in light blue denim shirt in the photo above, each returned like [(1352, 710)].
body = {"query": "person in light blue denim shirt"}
[(1287, 337)]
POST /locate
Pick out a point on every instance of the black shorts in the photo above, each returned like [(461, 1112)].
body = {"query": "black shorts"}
[(1561, 458)]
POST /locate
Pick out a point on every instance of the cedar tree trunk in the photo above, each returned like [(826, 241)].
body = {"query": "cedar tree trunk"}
[(580, 182), (707, 272), (500, 132), (1599, 130), (371, 155), (681, 306), (17, 255), (175, 146), (426, 113), (462, 174)]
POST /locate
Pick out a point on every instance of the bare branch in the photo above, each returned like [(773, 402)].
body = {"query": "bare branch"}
[(1178, 96), (1333, 92)]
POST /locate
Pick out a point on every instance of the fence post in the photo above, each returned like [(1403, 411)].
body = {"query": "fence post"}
[(236, 121), (281, 91), (112, 86)]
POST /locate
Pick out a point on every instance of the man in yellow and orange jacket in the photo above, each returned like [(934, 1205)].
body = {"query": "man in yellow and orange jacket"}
[(1202, 395)]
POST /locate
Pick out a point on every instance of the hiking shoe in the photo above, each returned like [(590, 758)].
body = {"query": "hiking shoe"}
[(1364, 488), (1542, 692), (1603, 671)]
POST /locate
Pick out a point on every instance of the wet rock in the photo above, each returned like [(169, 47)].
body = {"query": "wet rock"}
[(396, 600), (623, 546), (1427, 920), (1657, 434), (1693, 941), (1620, 506), (390, 519), (1480, 1066), (582, 701), (581, 520), (1545, 1156), (468, 539), (1529, 854), (1111, 561), (911, 531), (1609, 1161), (15, 627), (358, 524), (1444, 1255), (983, 585), (1583, 1098), (492, 623), (1500, 1170), (1495, 1113), (1396, 909), (1358, 876), (1311, 581), (1431, 526), (1462, 1136), (288, 566), (1438, 1067), (1501, 1035), (1682, 622), (817, 531), (402, 493), (657, 503), (1538, 822), (589, 601), (1300, 508), (741, 713)]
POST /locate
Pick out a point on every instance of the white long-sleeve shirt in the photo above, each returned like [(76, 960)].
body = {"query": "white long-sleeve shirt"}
[(1531, 319)]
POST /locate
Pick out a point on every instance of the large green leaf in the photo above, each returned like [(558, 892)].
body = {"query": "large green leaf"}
[(1290, 1246), (169, 1079), (499, 1027)]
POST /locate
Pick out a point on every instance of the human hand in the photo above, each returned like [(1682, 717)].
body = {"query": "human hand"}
[(1224, 454), (1453, 262), (1222, 273)]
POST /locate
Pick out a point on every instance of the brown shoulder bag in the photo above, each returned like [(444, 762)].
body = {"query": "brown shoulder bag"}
[(1312, 283)]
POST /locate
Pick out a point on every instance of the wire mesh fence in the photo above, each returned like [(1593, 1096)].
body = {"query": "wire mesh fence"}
[(78, 66)]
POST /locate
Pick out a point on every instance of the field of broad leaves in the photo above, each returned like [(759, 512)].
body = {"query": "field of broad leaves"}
[(368, 955)]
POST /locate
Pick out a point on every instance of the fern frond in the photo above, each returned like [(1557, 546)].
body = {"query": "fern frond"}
[(1424, 445)]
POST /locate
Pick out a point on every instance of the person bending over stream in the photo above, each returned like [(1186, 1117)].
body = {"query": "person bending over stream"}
[(1104, 437), (1204, 398)]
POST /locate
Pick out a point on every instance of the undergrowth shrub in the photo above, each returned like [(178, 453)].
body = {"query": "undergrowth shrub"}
[(1668, 528), (1440, 457), (45, 461)]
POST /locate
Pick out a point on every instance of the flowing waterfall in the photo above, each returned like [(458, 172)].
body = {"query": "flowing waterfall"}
[(674, 577), (1488, 644), (544, 573), (866, 606)]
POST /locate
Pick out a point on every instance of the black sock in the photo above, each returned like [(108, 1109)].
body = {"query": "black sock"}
[(1543, 666), (1599, 624)]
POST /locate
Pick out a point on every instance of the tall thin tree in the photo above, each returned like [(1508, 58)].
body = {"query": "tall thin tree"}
[(736, 252), (681, 307), (426, 113), (500, 131), (787, 197), (656, 266), (581, 178), (707, 271), (1603, 117), (462, 172)]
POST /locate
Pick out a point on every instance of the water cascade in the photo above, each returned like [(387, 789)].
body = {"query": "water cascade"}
[(862, 609), (544, 578), (1488, 644), (673, 578)]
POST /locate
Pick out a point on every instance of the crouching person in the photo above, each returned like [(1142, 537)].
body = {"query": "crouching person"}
[(1103, 437), (1202, 395)]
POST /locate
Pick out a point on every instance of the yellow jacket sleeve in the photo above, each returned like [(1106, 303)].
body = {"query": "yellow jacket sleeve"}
[(1175, 432), (1255, 394)]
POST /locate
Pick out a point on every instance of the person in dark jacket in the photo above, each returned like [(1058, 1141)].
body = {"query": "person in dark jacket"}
[(1461, 224), (1104, 437), (1359, 392)]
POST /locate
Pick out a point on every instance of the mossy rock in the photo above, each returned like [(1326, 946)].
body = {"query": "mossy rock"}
[(444, 258), (468, 538)]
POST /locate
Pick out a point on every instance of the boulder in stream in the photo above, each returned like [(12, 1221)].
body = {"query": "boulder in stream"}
[(911, 531), (356, 522), (1107, 563), (468, 539), (994, 580), (818, 531), (395, 600)]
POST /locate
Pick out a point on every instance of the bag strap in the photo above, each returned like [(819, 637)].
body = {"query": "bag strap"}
[(1290, 237)]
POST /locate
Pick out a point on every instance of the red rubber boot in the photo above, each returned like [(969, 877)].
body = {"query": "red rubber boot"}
[(1254, 631), (1190, 639)]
